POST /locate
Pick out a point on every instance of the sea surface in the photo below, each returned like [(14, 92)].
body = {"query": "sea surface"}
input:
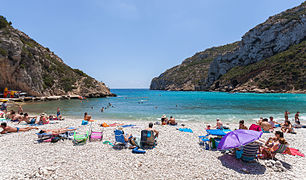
[(149, 105)]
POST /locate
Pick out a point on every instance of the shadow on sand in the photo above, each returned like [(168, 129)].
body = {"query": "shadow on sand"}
[(239, 166)]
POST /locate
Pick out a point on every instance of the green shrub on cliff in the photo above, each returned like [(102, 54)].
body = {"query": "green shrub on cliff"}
[(3, 22)]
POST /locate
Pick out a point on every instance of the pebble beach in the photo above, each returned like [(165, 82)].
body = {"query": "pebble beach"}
[(178, 155)]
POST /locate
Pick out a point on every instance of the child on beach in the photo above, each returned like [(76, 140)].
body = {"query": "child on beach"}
[(8, 129), (58, 114)]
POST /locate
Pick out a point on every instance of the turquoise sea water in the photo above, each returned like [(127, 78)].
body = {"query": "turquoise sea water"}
[(143, 104)]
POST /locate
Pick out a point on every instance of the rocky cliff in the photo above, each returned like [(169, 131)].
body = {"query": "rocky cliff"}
[(27, 66), (262, 43)]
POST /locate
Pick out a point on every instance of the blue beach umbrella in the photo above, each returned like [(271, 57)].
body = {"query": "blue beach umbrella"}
[(238, 138)]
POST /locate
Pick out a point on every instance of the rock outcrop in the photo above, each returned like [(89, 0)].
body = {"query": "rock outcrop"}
[(266, 40), (27, 66)]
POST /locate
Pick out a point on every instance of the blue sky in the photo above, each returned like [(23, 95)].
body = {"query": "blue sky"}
[(125, 43)]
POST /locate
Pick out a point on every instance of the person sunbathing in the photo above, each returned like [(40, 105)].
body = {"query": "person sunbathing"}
[(56, 131), (266, 126), (287, 127), (270, 152), (87, 117), (150, 128), (219, 124), (43, 119), (172, 121), (28, 119), (270, 142), (8, 129), (241, 125)]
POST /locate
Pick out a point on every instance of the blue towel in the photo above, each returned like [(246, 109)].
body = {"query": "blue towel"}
[(185, 130), (129, 125)]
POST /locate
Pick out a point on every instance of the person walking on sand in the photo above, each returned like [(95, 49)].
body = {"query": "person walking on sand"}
[(286, 115), (8, 129)]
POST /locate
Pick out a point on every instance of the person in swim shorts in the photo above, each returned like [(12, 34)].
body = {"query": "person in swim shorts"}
[(8, 129)]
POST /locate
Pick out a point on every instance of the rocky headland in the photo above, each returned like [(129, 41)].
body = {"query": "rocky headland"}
[(269, 58), (27, 66)]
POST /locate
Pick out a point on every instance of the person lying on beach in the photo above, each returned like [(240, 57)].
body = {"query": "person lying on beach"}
[(266, 126), (8, 129), (219, 124), (43, 119), (172, 121), (56, 131), (241, 125), (28, 119), (150, 128), (287, 127)]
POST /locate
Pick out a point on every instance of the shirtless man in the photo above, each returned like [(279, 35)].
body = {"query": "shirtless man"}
[(265, 125), (286, 115), (14, 117), (219, 124), (172, 121), (154, 130), (28, 119), (8, 129)]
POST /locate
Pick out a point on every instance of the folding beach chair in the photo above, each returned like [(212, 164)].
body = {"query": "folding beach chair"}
[(147, 140), (119, 137), (80, 139), (96, 135)]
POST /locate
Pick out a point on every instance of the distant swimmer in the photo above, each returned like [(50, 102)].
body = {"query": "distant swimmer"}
[(91, 107), (102, 109)]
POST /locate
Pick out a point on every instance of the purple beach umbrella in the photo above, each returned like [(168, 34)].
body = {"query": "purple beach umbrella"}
[(238, 138)]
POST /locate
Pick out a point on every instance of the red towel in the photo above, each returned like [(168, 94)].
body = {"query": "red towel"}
[(294, 152), (255, 127)]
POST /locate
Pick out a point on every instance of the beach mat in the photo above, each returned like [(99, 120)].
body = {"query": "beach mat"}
[(294, 152), (185, 130)]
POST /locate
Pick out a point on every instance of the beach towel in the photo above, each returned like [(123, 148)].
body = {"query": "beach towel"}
[(104, 125), (129, 125), (84, 122), (185, 130), (294, 152), (255, 127)]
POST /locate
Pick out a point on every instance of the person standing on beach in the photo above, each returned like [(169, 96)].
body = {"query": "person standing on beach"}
[(286, 115), (8, 129), (296, 118)]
